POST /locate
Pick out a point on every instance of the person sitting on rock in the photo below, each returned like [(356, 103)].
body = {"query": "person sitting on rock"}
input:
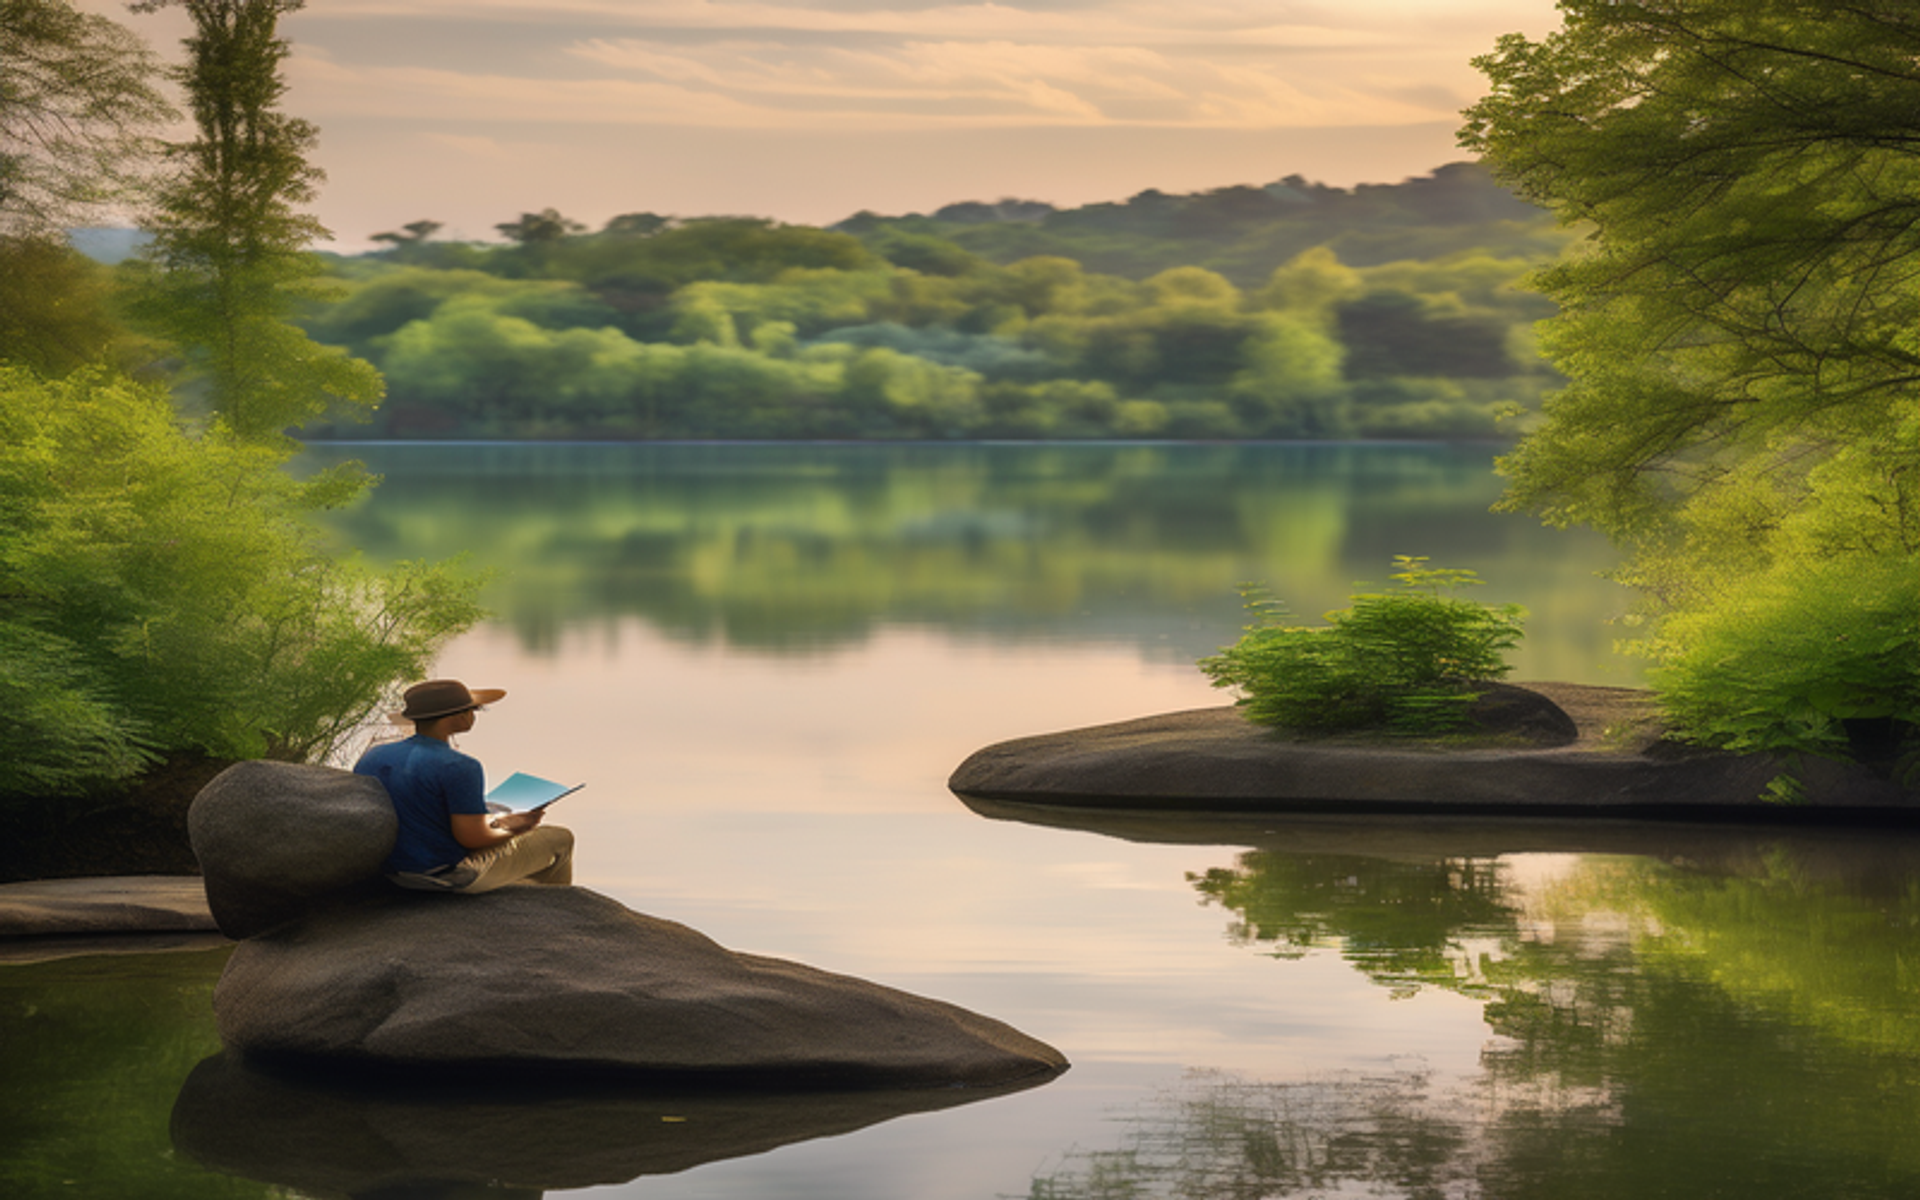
[(448, 840)]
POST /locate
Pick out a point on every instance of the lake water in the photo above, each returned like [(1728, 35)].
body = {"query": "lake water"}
[(765, 660)]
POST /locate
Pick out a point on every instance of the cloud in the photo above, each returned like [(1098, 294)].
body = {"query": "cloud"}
[(771, 84), (475, 146), (853, 65), (330, 89), (1002, 79), (470, 110)]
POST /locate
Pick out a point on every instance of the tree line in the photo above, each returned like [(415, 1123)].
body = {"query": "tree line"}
[(1388, 311)]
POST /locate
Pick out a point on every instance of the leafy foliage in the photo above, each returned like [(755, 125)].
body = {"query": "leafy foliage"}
[(1779, 662), (77, 110), (231, 240), (163, 593), (1242, 232), (56, 307), (1751, 278), (1404, 660), (160, 592), (547, 225), (1040, 347), (60, 730), (1738, 330)]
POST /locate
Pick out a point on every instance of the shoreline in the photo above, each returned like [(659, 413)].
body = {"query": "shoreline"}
[(44, 919)]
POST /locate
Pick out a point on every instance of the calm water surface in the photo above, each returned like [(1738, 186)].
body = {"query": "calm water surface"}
[(765, 661)]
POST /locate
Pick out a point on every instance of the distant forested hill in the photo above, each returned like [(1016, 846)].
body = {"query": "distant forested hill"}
[(1293, 310), (1243, 233)]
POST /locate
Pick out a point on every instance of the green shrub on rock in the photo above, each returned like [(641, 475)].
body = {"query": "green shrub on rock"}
[(1404, 660)]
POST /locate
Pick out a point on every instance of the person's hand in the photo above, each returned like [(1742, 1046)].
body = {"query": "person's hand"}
[(518, 822)]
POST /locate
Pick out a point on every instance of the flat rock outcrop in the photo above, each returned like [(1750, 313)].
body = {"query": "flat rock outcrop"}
[(275, 840), (1615, 764), (83, 907), (541, 979)]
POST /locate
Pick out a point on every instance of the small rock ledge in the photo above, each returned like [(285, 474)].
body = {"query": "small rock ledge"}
[(1613, 763)]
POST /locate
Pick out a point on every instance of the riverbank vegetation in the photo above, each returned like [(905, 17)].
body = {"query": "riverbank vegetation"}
[(166, 596), (1292, 310), (1739, 335)]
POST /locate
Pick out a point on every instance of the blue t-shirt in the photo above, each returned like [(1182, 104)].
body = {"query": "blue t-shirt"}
[(429, 782)]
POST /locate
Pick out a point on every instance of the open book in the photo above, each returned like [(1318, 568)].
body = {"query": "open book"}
[(521, 792)]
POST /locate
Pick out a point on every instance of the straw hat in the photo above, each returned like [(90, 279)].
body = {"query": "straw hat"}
[(443, 698)]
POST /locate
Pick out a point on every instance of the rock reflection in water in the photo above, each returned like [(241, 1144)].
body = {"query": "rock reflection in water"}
[(345, 1137)]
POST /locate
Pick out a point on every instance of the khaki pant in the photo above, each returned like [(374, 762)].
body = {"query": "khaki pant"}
[(543, 854)]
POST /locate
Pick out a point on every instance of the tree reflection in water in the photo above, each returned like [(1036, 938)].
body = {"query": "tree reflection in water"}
[(1220, 1136), (1738, 1027), (782, 549), (1403, 923)]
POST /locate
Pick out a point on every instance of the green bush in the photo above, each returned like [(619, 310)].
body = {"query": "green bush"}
[(162, 593), (1405, 660), (1778, 663)]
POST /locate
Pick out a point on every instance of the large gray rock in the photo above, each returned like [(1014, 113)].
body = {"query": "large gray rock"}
[(542, 979), (275, 840)]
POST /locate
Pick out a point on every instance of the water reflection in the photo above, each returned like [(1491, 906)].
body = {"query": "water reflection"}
[(91, 1049), (801, 548), (1735, 1015), (342, 1137), (1218, 1135), (1403, 923)]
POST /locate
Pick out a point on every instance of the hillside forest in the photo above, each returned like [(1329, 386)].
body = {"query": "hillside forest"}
[(1293, 310)]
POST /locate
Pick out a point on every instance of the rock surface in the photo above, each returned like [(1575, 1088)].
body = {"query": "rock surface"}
[(276, 840), (1616, 765), (335, 1139), (68, 907), (534, 979)]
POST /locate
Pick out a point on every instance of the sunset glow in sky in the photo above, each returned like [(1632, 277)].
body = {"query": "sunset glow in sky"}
[(472, 111)]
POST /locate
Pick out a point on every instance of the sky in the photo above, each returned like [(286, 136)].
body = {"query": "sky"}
[(471, 112)]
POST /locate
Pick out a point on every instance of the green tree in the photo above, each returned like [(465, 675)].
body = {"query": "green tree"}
[(1311, 286), (411, 234), (532, 229), (640, 224), (408, 244), (1739, 327), (77, 110), (230, 238), (1292, 384), (162, 594), (55, 307)]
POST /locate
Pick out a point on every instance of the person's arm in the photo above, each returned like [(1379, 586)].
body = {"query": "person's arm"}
[(478, 831)]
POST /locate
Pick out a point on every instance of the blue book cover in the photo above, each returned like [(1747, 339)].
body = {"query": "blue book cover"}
[(521, 792)]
